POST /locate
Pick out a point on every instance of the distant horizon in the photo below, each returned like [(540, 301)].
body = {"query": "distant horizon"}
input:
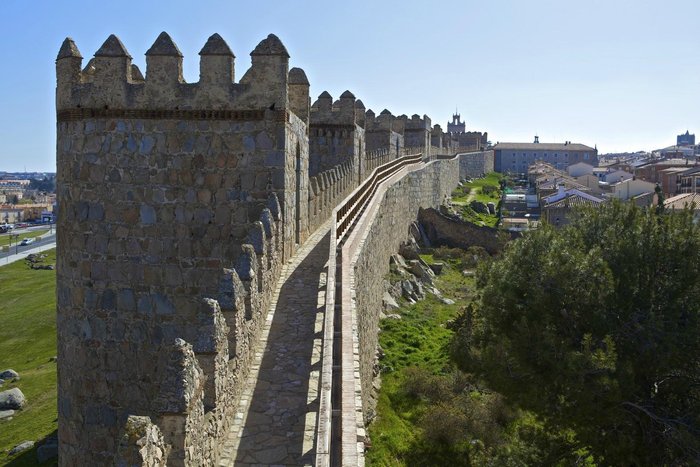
[(605, 74), (648, 151), (494, 143)]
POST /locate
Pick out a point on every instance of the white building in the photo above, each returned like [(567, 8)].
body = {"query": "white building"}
[(579, 169), (630, 188)]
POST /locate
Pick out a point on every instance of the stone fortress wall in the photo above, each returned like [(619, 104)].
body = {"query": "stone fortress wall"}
[(389, 228), (476, 164), (180, 203)]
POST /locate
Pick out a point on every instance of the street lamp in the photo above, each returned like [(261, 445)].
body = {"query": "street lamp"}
[(16, 242)]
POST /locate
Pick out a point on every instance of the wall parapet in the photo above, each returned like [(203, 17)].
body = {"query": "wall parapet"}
[(181, 202), (367, 229), (340, 440), (111, 81)]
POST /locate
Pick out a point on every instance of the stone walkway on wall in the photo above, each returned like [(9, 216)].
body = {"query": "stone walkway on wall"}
[(275, 423)]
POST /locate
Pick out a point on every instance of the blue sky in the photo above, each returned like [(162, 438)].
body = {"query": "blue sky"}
[(624, 75)]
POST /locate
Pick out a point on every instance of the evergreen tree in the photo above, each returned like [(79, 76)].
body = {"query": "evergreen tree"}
[(596, 328)]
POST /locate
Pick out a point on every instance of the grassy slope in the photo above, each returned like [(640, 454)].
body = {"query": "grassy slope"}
[(419, 339), (27, 342), (473, 191)]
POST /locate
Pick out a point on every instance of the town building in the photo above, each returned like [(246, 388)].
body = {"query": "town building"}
[(579, 169), (593, 185), (685, 140), (651, 170), (689, 181), (677, 151), (557, 207), (669, 180), (639, 191), (517, 157), (616, 176)]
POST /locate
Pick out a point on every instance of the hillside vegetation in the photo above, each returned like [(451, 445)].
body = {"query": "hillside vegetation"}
[(595, 327), (431, 413), (482, 191)]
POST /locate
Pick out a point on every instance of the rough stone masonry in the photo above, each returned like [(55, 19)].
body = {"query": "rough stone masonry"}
[(179, 204)]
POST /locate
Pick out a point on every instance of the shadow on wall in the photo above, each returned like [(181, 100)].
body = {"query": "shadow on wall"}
[(281, 394)]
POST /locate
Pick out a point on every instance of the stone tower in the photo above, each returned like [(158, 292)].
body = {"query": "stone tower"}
[(336, 134), (457, 125), (179, 202)]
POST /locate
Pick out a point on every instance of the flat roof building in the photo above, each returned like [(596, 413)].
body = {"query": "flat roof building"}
[(517, 157)]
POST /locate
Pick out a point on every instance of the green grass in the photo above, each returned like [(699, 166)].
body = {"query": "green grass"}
[(5, 238), (419, 339), (417, 371), (474, 191), (27, 342), (492, 179), (478, 218)]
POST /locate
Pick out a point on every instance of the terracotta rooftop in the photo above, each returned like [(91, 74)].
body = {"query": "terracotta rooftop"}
[(682, 201)]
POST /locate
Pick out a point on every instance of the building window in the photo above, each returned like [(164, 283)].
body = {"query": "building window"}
[(585, 155)]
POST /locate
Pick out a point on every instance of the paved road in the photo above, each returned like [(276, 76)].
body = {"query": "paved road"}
[(275, 423), (18, 253)]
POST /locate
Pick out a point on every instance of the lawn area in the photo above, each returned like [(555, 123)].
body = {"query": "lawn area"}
[(27, 343), (5, 238), (418, 340), (481, 189)]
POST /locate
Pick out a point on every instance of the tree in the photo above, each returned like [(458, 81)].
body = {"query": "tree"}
[(659, 199), (596, 328), (47, 184)]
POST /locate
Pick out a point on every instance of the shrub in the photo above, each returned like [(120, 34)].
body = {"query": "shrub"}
[(489, 190)]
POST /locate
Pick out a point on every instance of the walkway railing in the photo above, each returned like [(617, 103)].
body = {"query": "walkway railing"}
[(332, 422), (349, 210)]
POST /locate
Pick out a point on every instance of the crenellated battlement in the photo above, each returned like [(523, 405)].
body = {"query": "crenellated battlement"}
[(337, 137), (180, 205), (180, 202), (344, 112), (111, 81), (418, 123)]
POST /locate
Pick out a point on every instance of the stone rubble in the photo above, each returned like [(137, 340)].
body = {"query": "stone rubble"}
[(23, 446), (9, 375), (12, 399)]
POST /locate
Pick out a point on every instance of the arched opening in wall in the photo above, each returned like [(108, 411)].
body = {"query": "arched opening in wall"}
[(297, 195)]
